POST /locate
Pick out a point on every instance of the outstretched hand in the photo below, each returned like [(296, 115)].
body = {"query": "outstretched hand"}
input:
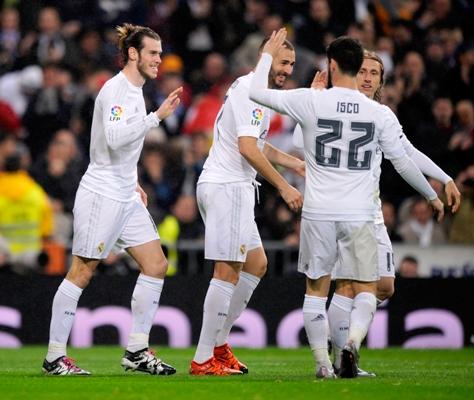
[(170, 104), (275, 42), (320, 80)]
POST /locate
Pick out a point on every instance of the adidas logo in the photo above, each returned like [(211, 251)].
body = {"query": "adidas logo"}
[(319, 317)]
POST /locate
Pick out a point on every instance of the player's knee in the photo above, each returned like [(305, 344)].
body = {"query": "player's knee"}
[(385, 291), (156, 269)]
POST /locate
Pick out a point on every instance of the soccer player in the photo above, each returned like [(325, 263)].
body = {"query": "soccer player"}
[(342, 130), (370, 82), (225, 194), (110, 206)]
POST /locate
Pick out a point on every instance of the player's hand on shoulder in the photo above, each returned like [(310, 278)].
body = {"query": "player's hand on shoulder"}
[(275, 42), (320, 80), (438, 208), (170, 104), (292, 197), (453, 196)]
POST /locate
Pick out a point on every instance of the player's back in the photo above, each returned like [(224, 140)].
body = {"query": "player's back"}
[(340, 141)]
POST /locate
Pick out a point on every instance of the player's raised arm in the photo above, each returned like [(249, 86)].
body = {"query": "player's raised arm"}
[(295, 103)]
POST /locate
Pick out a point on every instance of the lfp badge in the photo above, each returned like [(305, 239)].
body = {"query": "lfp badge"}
[(115, 113), (257, 116)]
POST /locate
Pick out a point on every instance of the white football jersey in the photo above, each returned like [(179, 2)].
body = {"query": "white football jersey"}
[(119, 126), (342, 130), (238, 116)]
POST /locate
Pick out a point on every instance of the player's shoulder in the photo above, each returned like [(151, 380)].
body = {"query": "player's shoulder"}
[(114, 86)]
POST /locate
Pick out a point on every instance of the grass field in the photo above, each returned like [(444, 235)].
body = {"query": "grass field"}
[(274, 374)]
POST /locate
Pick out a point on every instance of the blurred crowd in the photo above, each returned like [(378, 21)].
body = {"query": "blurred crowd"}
[(56, 55)]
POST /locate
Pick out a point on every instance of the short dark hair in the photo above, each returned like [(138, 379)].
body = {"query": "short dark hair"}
[(132, 36), (286, 44), (348, 53)]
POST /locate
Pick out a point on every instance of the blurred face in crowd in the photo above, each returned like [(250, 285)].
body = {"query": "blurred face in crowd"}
[(465, 113), (369, 77), (282, 67), (443, 111), (413, 64), (149, 58), (48, 21), (421, 212), (408, 269), (9, 19)]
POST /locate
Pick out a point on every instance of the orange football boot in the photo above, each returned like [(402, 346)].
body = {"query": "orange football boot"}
[(225, 356), (212, 367)]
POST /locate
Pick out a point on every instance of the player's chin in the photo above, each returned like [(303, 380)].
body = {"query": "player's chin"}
[(280, 82)]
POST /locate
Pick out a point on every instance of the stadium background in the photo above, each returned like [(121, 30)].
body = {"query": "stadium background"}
[(54, 57)]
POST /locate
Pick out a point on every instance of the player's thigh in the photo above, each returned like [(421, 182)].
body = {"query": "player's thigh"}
[(139, 227), (98, 223), (228, 213), (357, 246), (385, 252), (318, 248)]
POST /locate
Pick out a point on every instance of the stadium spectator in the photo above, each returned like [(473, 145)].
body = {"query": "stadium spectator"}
[(59, 172), (420, 228), (49, 45), (390, 220), (16, 88), (10, 36), (50, 109), (244, 57), (26, 216), (408, 267), (109, 192), (8, 146)]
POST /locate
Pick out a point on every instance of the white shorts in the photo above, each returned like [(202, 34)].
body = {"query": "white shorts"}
[(100, 223), (326, 243), (386, 263), (228, 214)]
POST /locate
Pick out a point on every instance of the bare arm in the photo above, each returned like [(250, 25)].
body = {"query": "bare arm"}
[(249, 150), (276, 156)]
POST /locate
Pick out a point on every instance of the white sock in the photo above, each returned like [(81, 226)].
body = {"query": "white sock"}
[(242, 294), (145, 301), (339, 315), (315, 323), (216, 308), (363, 310), (62, 318)]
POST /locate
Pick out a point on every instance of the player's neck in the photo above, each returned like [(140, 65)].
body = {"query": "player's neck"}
[(345, 81), (133, 75)]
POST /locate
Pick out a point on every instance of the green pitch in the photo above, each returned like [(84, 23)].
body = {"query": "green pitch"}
[(274, 374)]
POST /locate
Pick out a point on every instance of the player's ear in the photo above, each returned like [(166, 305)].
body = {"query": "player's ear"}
[(132, 53)]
